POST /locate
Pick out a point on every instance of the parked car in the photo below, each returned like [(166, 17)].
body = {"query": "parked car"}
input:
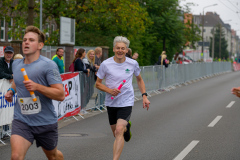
[(185, 59)]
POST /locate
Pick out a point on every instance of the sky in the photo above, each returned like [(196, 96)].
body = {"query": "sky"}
[(229, 10)]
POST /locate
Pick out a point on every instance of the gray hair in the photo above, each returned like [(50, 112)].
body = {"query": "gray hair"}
[(121, 39)]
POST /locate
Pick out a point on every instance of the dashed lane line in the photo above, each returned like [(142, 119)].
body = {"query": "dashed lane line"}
[(230, 104), (212, 124), (186, 150)]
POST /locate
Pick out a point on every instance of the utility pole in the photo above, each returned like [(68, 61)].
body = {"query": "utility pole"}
[(30, 12), (203, 35), (220, 32), (203, 28), (213, 45), (41, 15)]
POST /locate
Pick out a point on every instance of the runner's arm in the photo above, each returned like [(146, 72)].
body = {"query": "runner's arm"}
[(141, 86), (55, 91), (102, 87), (9, 94)]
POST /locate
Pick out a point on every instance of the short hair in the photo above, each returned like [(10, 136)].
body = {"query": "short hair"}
[(135, 53), (58, 49), (121, 39), (18, 56), (41, 35), (98, 50)]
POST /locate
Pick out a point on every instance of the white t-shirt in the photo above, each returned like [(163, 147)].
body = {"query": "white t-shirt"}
[(114, 74)]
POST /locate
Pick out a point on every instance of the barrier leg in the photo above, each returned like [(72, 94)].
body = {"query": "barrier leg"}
[(81, 116), (75, 118), (2, 142)]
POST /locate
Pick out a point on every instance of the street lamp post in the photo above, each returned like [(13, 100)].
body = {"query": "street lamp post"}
[(41, 15), (203, 28)]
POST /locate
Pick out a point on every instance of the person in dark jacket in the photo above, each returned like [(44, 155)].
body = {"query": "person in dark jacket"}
[(78, 63), (6, 69), (6, 64)]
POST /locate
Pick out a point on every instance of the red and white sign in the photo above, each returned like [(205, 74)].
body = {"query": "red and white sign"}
[(236, 67), (71, 105), (75, 51), (2, 51)]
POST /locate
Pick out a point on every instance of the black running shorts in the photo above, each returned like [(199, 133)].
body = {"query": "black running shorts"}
[(46, 136), (115, 113)]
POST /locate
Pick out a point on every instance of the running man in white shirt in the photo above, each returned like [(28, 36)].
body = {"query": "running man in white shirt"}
[(115, 70)]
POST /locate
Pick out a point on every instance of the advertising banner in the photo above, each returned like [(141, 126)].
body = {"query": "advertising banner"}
[(71, 105), (6, 109), (2, 51)]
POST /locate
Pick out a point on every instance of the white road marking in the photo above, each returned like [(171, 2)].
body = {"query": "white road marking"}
[(186, 150), (212, 124), (230, 104)]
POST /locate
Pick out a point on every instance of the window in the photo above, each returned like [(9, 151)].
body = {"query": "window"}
[(3, 29), (52, 27), (10, 24), (47, 31), (47, 27)]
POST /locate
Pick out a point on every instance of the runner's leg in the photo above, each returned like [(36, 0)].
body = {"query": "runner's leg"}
[(113, 127), (119, 139), (19, 147), (53, 154)]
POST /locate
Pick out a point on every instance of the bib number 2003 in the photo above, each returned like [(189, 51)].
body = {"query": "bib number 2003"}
[(30, 106)]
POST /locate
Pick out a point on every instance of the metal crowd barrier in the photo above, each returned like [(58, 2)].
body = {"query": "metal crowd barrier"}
[(155, 78)]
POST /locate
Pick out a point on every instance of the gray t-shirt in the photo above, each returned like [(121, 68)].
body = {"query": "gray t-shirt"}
[(45, 72), (97, 60)]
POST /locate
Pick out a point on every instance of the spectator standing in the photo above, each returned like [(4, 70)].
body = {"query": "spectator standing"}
[(6, 64), (98, 56), (78, 63), (6, 71), (18, 56), (162, 60), (61, 58), (129, 53), (40, 122), (58, 59), (175, 58), (135, 56), (91, 60)]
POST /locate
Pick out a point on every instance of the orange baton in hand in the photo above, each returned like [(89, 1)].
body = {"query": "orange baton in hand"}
[(25, 76)]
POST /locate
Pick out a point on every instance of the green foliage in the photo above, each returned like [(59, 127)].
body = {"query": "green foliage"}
[(151, 27), (224, 45), (192, 33)]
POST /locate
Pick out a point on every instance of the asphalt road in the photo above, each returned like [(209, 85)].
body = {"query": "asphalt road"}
[(200, 121)]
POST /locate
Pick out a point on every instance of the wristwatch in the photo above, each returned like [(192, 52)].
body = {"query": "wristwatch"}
[(144, 94)]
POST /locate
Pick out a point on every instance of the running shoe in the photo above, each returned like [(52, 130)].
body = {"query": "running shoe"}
[(128, 134)]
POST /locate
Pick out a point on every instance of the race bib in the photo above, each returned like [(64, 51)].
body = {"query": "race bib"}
[(28, 106)]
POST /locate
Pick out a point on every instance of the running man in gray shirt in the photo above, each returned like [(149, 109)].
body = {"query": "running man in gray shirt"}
[(35, 120)]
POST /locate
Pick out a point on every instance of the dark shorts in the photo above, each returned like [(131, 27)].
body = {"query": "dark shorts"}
[(115, 113), (46, 136)]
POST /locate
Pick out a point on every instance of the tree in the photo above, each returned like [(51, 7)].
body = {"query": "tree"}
[(168, 27), (192, 33), (224, 45), (151, 26)]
